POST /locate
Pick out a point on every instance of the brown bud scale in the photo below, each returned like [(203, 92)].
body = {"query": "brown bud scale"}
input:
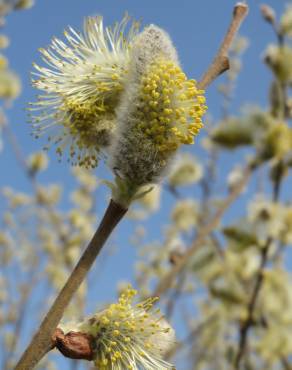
[(75, 345)]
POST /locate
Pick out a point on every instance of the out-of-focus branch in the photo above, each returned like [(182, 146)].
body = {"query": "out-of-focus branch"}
[(23, 304), (191, 337), (166, 282), (220, 63), (175, 297), (12, 140), (246, 324), (285, 364), (259, 281)]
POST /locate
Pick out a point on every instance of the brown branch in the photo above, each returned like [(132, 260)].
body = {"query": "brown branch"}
[(248, 322), (259, 281), (42, 341), (220, 63), (175, 297), (166, 282), (285, 364)]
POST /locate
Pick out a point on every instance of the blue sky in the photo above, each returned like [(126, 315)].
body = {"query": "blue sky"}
[(196, 28)]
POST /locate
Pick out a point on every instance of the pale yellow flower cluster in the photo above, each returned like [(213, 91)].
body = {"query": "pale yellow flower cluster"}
[(127, 335), (82, 88)]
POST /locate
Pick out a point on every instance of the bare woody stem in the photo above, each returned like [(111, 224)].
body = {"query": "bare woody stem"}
[(42, 340), (220, 63)]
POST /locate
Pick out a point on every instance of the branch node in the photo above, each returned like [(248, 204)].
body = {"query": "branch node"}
[(220, 63), (240, 9)]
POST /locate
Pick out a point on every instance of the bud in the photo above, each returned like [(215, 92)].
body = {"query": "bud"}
[(268, 13), (234, 178), (10, 85), (4, 41), (37, 162), (277, 142), (286, 22), (75, 345), (185, 215), (175, 257), (279, 60), (24, 4), (151, 200), (232, 133), (186, 170), (3, 62)]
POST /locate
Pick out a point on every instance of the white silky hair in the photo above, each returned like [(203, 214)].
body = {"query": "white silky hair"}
[(150, 45), (133, 156)]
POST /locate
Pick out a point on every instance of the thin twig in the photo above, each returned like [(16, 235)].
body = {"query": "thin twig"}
[(248, 322), (166, 282), (259, 280), (20, 158), (285, 364), (23, 304), (42, 342), (175, 297), (220, 63)]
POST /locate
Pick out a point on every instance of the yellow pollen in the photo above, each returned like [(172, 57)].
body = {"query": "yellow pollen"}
[(162, 117)]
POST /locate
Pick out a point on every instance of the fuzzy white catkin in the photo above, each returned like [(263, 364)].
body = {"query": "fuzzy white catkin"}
[(134, 156), (150, 45)]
